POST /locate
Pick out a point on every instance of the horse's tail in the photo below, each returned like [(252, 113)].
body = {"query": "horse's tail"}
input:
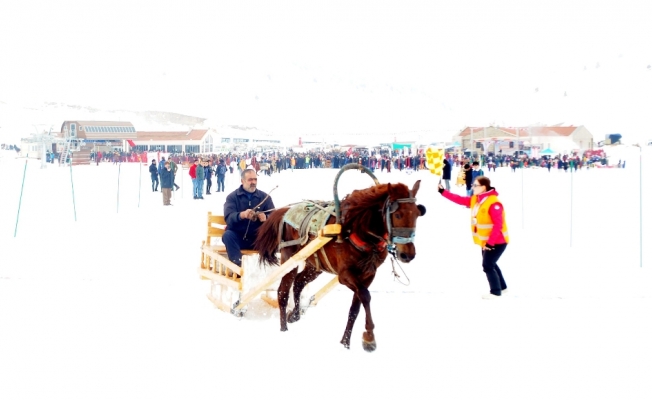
[(268, 238)]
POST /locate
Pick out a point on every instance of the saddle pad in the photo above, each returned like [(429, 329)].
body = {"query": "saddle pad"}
[(298, 214)]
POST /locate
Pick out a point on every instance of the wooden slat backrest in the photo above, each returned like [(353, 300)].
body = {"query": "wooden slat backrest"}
[(214, 231)]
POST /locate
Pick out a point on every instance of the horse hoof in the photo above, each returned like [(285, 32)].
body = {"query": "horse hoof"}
[(294, 317), (345, 343), (284, 329), (369, 346)]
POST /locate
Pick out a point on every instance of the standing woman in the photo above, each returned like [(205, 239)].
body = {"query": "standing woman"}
[(488, 228)]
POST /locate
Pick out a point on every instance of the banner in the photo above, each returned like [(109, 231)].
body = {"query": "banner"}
[(400, 146)]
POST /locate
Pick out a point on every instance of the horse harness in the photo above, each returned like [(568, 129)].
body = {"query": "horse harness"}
[(392, 237), (388, 241), (398, 235), (310, 210)]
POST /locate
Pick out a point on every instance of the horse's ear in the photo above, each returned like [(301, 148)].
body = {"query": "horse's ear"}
[(422, 209), (415, 188)]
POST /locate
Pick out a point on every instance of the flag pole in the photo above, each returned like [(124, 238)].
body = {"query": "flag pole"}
[(20, 200), (140, 178), (529, 134), (571, 209), (118, 196), (72, 185), (522, 167)]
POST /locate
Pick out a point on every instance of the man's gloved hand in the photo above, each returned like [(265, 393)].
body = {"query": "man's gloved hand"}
[(248, 214)]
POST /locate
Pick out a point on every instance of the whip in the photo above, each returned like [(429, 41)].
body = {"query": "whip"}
[(255, 209)]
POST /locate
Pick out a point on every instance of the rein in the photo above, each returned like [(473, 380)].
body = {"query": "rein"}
[(397, 276), (391, 249)]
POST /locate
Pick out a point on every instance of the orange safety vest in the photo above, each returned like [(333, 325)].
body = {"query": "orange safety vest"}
[(481, 224)]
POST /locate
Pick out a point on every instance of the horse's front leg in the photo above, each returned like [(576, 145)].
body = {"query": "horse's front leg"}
[(368, 338)]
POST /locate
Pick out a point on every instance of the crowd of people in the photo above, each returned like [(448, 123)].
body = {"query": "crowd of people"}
[(4, 146), (271, 162), (573, 161), (219, 165)]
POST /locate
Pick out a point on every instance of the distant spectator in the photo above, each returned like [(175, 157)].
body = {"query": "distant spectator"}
[(161, 165), (166, 184), (173, 168), (208, 174), (193, 175), (446, 176), (153, 171), (468, 179), (476, 171), (221, 172), (200, 180)]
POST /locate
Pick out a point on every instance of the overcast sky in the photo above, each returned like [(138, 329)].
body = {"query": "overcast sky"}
[(320, 67)]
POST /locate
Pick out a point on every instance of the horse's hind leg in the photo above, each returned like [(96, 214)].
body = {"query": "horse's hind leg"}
[(305, 277), (283, 294), (353, 315)]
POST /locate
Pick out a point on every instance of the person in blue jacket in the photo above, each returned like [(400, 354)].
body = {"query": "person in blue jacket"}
[(153, 171), (244, 212)]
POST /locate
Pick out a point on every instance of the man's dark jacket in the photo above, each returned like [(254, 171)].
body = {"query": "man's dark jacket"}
[(236, 202), (166, 179)]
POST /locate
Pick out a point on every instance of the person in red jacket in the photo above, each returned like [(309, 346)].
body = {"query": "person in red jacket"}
[(488, 228), (193, 176)]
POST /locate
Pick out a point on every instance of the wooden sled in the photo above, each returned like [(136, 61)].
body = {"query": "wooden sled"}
[(233, 287)]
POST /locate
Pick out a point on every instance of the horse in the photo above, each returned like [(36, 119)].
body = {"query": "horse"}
[(375, 222)]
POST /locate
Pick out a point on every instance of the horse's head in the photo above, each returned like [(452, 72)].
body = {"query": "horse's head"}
[(401, 213)]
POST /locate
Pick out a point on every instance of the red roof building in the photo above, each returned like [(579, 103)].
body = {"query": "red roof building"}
[(192, 141), (560, 139)]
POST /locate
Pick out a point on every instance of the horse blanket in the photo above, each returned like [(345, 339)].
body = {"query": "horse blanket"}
[(308, 218)]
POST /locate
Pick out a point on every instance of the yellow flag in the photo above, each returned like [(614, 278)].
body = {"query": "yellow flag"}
[(435, 160)]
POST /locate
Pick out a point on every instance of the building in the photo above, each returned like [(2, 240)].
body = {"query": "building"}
[(193, 141), (560, 139), (88, 136), (122, 135), (109, 136), (37, 146)]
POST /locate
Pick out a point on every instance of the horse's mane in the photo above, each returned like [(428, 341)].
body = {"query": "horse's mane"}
[(361, 206)]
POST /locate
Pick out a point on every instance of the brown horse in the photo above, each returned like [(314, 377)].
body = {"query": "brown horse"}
[(375, 222)]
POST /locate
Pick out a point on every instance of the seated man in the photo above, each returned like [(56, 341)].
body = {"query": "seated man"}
[(242, 219)]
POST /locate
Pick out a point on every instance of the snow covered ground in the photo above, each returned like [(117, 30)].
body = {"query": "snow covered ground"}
[(110, 306)]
